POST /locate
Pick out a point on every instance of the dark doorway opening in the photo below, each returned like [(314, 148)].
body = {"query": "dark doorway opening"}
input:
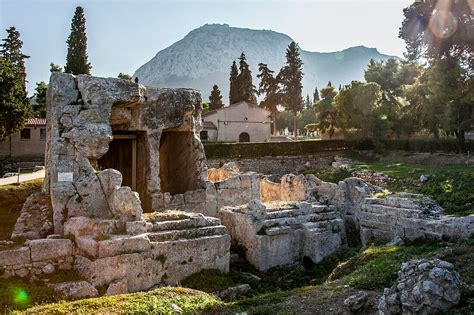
[(244, 137), (178, 162)]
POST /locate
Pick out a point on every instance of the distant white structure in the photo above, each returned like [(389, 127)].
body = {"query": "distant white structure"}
[(239, 122)]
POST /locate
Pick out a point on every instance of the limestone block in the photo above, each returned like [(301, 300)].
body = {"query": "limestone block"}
[(76, 289), (44, 249), (15, 257), (123, 244), (87, 245), (92, 200), (126, 204), (90, 139), (136, 227), (110, 180), (36, 218), (117, 287), (293, 187)]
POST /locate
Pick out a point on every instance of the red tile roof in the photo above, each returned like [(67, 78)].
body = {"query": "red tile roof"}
[(208, 125), (36, 122)]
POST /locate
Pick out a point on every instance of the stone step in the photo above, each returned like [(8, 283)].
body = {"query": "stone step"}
[(279, 213), (293, 220), (390, 210), (186, 234), (195, 222), (169, 216)]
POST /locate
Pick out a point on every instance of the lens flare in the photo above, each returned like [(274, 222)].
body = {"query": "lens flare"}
[(443, 24), (20, 297)]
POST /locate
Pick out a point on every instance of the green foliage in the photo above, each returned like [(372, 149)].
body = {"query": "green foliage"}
[(77, 59), (39, 110), (315, 95), (125, 77), (327, 114), (290, 77), (234, 84), (269, 87), (55, 68), (329, 174), (215, 99), (14, 105)]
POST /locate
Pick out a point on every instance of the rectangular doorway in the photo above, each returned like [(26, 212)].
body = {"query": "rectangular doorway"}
[(122, 156)]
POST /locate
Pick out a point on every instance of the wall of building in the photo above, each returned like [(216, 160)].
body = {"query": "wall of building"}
[(233, 120), (24, 148)]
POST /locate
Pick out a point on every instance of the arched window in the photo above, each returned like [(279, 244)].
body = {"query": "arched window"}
[(244, 137)]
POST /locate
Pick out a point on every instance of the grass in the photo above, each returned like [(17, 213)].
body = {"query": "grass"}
[(11, 201), (158, 301)]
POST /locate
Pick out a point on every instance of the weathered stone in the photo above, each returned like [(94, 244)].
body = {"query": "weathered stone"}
[(233, 293), (15, 257), (126, 204), (136, 227), (356, 302), (423, 287), (117, 287), (36, 218), (76, 289), (44, 249)]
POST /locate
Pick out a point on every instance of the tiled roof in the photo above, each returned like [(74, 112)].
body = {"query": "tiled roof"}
[(36, 122), (208, 125)]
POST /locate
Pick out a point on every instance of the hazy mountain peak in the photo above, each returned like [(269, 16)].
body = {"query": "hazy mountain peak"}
[(204, 56)]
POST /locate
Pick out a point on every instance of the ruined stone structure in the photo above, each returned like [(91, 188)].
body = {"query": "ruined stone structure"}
[(281, 234), (132, 205)]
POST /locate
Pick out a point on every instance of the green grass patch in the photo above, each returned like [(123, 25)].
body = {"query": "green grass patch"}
[(329, 174), (157, 301), (13, 197)]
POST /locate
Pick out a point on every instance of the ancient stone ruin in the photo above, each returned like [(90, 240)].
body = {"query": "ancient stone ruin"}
[(128, 200)]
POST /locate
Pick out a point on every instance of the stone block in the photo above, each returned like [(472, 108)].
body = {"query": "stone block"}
[(15, 257), (44, 249)]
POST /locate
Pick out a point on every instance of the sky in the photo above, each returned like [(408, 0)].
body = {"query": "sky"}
[(125, 34)]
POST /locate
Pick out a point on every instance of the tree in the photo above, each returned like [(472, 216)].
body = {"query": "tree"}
[(315, 95), (245, 86), (270, 89), (234, 84), (327, 114), (55, 68), (329, 84), (290, 77), (39, 110), (215, 99), (14, 106), (77, 59), (125, 77), (360, 110), (307, 103), (11, 51)]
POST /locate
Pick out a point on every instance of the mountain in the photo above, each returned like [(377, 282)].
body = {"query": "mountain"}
[(204, 56)]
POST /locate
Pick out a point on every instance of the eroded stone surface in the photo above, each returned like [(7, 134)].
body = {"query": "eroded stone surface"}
[(423, 287), (36, 218)]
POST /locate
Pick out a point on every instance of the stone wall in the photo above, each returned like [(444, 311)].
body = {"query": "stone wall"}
[(37, 257), (278, 165)]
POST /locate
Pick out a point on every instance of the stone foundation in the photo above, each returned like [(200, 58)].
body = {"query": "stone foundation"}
[(282, 234)]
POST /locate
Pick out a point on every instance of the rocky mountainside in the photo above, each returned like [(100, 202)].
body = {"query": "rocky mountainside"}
[(204, 56)]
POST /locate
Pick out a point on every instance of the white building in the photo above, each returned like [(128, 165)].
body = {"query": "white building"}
[(239, 122)]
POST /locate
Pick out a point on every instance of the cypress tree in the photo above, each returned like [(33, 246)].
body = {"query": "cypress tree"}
[(290, 76), (246, 87), (39, 110), (234, 84), (77, 60), (329, 84), (11, 51), (215, 99), (307, 103), (315, 95)]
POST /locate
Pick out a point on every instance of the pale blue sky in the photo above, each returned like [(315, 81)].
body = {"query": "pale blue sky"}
[(124, 34)]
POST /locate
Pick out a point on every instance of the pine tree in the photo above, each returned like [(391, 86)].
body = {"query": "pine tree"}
[(234, 84), (11, 51), (269, 87), (14, 105), (315, 95), (329, 84), (39, 110), (244, 79), (290, 76), (340, 87), (77, 60), (215, 99)]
